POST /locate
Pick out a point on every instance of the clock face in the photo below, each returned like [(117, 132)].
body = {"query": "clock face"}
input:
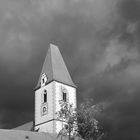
[(44, 109)]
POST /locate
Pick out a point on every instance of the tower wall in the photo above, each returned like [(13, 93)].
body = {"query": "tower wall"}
[(40, 119), (71, 95), (48, 122), (71, 98)]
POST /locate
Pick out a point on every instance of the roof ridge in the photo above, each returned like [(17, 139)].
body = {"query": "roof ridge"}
[(51, 61)]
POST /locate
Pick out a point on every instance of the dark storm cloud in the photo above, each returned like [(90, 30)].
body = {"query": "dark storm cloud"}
[(130, 10), (99, 41)]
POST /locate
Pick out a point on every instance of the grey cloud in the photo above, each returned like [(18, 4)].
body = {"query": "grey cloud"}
[(130, 10), (99, 41)]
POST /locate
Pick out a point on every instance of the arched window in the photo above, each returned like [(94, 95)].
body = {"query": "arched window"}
[(64, 96), (45, 96)]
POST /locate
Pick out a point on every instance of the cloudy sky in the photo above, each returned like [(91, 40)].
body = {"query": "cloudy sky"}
[(100, 43)]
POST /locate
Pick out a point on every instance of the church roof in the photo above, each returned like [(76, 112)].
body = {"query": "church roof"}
[(26, 127), (54, 68), (6, 134)]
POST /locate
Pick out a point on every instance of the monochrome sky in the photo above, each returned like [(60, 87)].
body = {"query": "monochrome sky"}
[(100, 43)]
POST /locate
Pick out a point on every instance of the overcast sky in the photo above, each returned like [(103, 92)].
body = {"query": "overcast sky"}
[(100, 43)]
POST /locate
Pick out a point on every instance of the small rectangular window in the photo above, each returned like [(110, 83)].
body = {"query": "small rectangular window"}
[(64, 96)]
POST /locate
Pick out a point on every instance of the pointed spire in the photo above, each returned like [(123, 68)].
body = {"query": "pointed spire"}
[(54, 68)]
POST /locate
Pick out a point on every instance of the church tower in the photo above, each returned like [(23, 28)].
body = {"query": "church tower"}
[(54, 84)]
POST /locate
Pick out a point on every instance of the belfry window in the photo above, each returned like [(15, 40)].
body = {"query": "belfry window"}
[(64, 96), (43, 80), (45, 96)]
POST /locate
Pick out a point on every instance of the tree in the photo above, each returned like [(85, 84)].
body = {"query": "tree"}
[(81, 121), (87, 126), (67, 115)]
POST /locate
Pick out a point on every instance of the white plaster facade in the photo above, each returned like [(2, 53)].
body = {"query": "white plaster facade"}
[(71, 98), (48, 122), (39, 118)]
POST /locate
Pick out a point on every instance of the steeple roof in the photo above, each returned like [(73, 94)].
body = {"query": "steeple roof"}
[(54, 68)]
